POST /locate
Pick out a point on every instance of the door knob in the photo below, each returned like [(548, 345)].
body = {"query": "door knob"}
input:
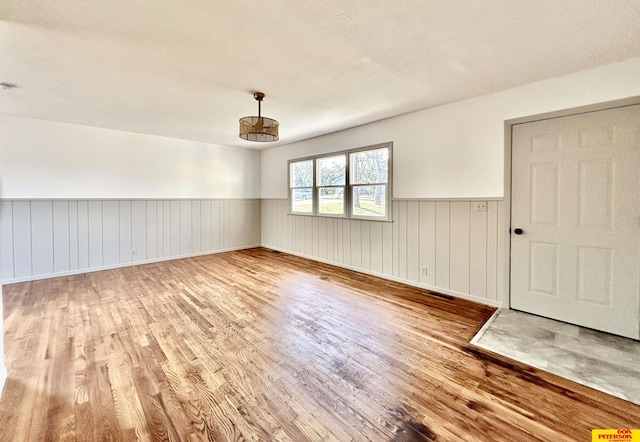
[(518, 231)]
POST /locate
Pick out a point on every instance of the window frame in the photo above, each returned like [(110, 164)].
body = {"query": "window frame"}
[(293, 189), (348, 186)]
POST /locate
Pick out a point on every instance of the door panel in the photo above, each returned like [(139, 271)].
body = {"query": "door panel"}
[(544, 193), (595, 275), (576, 195), (595, 193), (543, 268)]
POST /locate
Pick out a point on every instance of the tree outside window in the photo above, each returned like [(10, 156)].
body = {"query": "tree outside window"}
[(348, 184)]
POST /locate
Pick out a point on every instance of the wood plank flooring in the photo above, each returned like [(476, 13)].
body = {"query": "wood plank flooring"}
[(259, 345)]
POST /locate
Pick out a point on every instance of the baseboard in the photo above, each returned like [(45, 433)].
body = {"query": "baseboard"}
[(126, 264), (491, 302), (485, 301)]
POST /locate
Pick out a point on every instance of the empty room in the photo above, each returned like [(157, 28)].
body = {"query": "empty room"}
[(344, 220)]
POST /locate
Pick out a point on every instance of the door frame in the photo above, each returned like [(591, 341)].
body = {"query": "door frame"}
[(505, 221)]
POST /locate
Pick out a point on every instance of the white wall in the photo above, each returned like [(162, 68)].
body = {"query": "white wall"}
[(47, 159), (77, 198), (446, 153), (457, 150)]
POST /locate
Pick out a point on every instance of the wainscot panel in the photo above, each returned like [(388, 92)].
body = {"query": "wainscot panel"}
[(446, 246), (47, 238)]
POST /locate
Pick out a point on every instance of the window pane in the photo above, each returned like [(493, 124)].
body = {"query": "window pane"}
[(332, 200), (301, 174), (302, 200), (332, 170), (370, 166), (369, 201)]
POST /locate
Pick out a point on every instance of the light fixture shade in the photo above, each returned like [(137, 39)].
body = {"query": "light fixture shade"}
[(258, 129)]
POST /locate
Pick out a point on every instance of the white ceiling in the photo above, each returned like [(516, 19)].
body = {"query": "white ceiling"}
[(186, 69)]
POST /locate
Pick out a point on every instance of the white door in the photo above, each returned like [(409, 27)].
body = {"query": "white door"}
[(576, 199)]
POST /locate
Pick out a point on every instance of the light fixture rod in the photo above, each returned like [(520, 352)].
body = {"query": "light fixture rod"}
[(259, 96)]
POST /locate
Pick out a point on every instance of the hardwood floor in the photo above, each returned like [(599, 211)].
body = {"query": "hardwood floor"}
[(260, 345)]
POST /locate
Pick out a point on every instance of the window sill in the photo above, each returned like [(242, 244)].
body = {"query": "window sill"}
[(355, 218)]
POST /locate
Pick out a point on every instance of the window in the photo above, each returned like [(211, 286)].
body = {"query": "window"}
[(332, 179), (369, 173), (301, 184), (349, 184)]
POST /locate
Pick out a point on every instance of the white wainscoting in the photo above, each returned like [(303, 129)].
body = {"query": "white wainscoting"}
[(44, 238), (462, 248), (3, 369)]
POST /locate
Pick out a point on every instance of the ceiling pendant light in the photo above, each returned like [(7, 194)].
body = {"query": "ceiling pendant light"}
[(258, 128)]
